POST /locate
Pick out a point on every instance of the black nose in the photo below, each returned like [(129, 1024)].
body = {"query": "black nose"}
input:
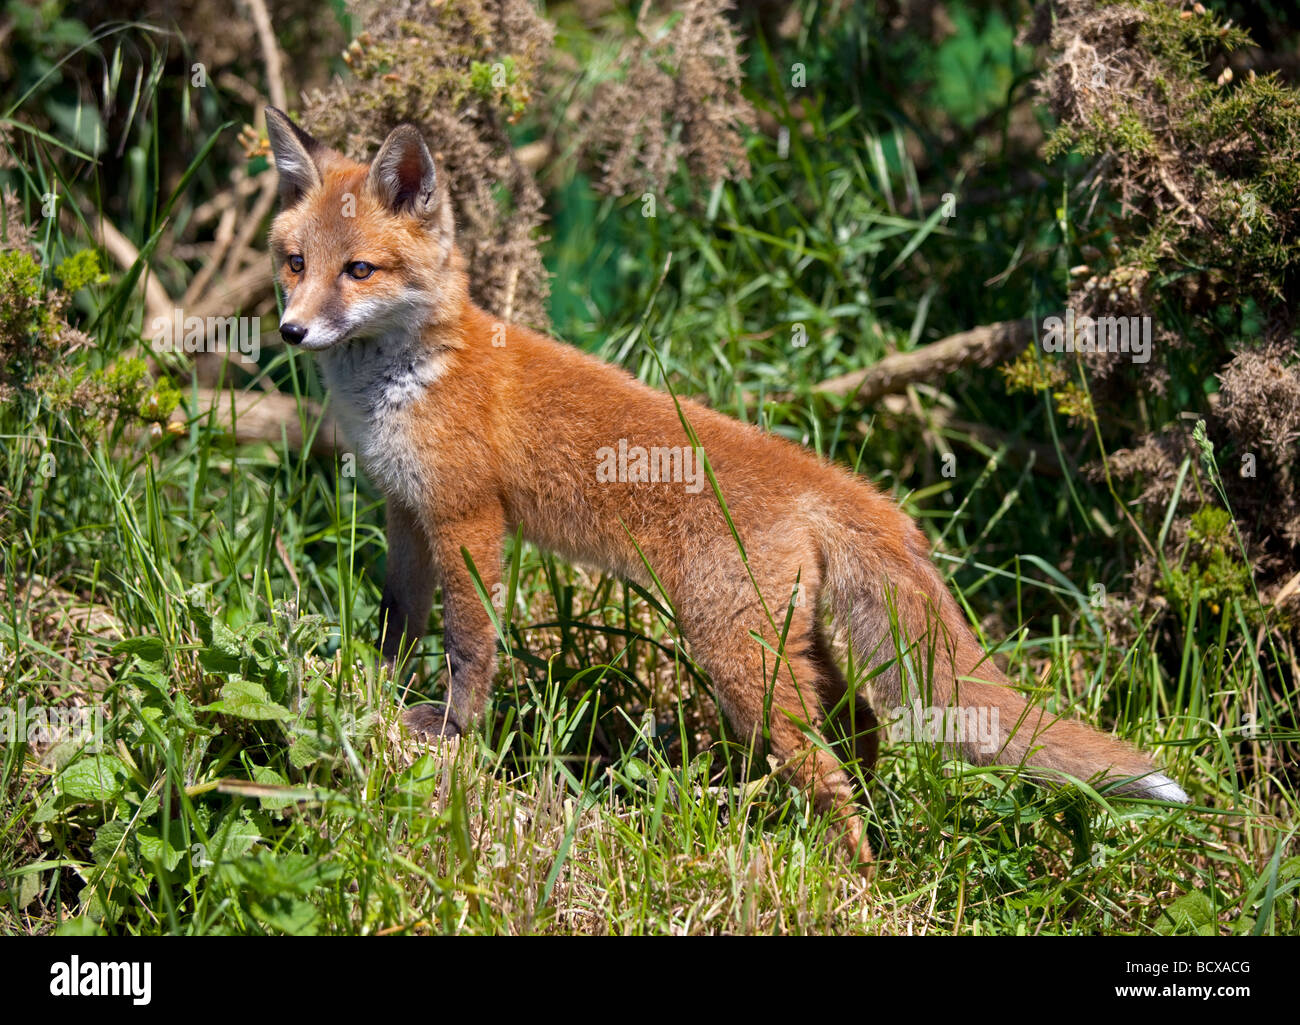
[(293, 333)]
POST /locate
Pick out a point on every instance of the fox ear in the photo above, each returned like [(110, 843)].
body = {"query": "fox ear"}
[(402, 176), (294, 153)]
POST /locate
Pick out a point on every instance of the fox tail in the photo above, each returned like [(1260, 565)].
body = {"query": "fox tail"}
[(881, 586)]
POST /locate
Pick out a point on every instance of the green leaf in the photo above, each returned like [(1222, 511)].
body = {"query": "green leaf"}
[(147, 649), (46, 812), (236, 836), (1192, 914), (421, 779), (154, 848), (24, 886), (93, 777), (185, 715), (247, 700), (224, 654), (83, 925), (265, 774), (304, 750), (111, 843), (288, 914)]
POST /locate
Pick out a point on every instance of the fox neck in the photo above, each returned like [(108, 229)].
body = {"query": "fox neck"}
[(374, 384), (372, 379)]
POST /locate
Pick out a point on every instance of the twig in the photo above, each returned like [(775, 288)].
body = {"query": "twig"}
[(242, 247), (157, 303), (1197, 221), (1288, 589), (981, 346), (270, 53), (211, 260), (268, 417), (239, 292), (213, 208)]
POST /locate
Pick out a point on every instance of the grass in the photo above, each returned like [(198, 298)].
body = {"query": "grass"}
[(599, 798), (218, 603)]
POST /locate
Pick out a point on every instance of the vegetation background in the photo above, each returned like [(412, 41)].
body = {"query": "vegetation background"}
[(866, 207)]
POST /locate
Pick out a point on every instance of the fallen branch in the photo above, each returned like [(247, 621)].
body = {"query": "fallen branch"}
[(211, 209), (157, 303), (242, 250), (225, 234), (270, 53), (982, 346), (269, 417)]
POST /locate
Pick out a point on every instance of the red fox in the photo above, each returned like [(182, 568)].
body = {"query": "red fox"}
[(473, 428)]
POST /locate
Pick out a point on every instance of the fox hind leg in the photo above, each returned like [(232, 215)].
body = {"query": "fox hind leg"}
[(856, 727), (742, 671)]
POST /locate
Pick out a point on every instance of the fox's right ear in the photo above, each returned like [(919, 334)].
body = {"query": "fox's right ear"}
[(294, 153)]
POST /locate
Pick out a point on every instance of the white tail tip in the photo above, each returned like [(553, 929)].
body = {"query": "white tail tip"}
[(1162, 788)]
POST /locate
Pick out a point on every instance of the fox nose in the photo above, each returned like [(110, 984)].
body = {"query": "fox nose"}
[(293, 333)]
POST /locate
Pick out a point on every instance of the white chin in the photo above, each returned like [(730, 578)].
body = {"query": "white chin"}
[(309, 344)]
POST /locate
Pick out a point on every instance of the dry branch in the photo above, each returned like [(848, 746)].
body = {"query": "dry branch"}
[(982, 346), (270, 53), (157, 303), (269, 417)]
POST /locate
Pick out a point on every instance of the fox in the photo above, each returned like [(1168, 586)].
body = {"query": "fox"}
[(474, 429)]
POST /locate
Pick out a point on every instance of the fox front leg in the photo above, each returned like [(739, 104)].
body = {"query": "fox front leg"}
[(469, 637), (408, 588)]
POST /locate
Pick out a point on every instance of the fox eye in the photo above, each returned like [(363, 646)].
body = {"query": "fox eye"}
[(296, 263), (360, 270)]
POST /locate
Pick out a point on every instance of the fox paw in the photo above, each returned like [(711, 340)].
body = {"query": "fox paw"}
[(430, 722), (855, 848)]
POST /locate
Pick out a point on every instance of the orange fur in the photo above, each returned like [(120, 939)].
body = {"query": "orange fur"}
[(472, 428)]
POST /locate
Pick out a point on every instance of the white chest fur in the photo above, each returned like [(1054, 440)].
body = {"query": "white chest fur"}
[(374, 384)]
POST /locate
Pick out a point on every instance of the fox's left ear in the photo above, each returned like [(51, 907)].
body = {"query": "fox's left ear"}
[(403, 177)]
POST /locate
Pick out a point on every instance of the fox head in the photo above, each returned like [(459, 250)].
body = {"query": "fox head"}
[(360, 251)]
